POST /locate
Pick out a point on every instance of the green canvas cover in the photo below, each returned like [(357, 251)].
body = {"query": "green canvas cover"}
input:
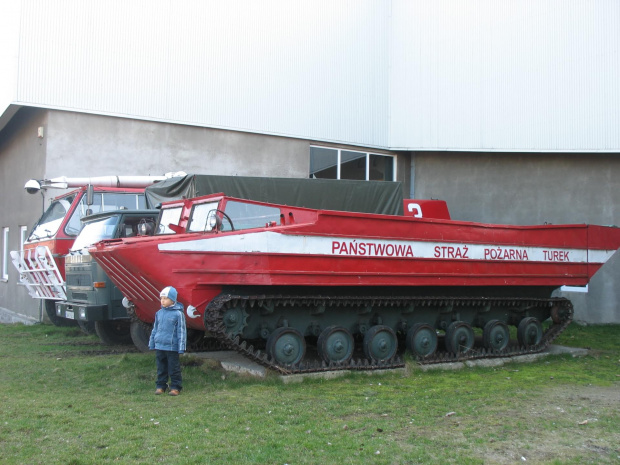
[(324, 194)]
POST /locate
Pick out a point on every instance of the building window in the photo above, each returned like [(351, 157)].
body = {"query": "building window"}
[(329, 163), (5, 254)]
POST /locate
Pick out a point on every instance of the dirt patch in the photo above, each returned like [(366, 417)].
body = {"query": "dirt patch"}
[(97, 349), (564, 423)]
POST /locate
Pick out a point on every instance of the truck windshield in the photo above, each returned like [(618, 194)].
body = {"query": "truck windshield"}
[(249, 215), (52, 218), (95, 231), (166, 217), (200, 216), (103, 202)]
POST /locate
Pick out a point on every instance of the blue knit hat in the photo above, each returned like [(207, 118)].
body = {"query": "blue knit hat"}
[(169, 292)]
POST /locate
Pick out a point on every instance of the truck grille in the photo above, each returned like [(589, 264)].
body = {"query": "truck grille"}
[(79, 279), (79, 296)]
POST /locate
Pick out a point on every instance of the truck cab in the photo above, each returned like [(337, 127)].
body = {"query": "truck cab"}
[(41, 262), (92, 300)]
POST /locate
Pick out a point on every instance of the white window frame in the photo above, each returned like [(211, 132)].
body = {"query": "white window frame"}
[(23, 235), (368, 154), (5, 253)]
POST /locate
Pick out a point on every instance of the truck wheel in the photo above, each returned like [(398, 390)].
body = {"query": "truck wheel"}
[(113, 332), (140, 335), (50, 310)]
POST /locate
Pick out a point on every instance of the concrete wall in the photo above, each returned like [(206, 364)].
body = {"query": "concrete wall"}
[(22, 156), (533, 189), (107, 145)]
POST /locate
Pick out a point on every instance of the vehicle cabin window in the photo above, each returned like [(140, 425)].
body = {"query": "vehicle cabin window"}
[(52, 218), (103, 202), (248, 215), (95, 231), (200, 216), (131, 225), (168, 216)]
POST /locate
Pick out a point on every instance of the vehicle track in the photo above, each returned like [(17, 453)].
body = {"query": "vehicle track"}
[(560, 309)]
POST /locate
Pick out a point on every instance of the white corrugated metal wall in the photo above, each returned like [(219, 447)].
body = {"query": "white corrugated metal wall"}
[(312, 69), (510, 75), (9, 41)]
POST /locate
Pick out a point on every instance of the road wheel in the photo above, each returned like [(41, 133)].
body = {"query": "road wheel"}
[(335, 345), (459, 338), (422, 340), (380, 343), (529, 332), (495, 336), (286, 346)]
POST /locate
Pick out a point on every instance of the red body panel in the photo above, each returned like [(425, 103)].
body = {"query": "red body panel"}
[(327, 249), (426, 209), (59, 247)]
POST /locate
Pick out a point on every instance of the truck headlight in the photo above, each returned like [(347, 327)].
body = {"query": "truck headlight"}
[(82, 313)]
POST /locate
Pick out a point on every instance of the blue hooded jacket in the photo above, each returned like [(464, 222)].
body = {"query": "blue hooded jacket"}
[(169, 332)]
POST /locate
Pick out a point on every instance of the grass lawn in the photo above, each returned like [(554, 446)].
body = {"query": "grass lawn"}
[(64, 402)]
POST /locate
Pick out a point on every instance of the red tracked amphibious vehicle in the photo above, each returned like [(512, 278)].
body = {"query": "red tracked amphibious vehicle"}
[(356, 285)]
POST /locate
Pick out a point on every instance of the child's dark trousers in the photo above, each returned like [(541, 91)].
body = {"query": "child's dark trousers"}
[(168, 365)]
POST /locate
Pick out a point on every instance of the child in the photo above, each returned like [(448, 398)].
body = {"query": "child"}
[(168, 339)]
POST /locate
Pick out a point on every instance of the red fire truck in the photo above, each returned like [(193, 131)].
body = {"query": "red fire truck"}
[(41, 262)]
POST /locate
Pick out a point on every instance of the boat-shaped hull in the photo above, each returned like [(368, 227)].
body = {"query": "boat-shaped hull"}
[(327, 250)]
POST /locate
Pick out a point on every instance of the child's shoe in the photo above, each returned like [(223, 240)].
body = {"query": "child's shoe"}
[(159, 391), (174, 392)]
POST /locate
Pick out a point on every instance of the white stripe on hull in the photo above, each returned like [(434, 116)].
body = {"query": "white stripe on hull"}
[(268, 242)]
